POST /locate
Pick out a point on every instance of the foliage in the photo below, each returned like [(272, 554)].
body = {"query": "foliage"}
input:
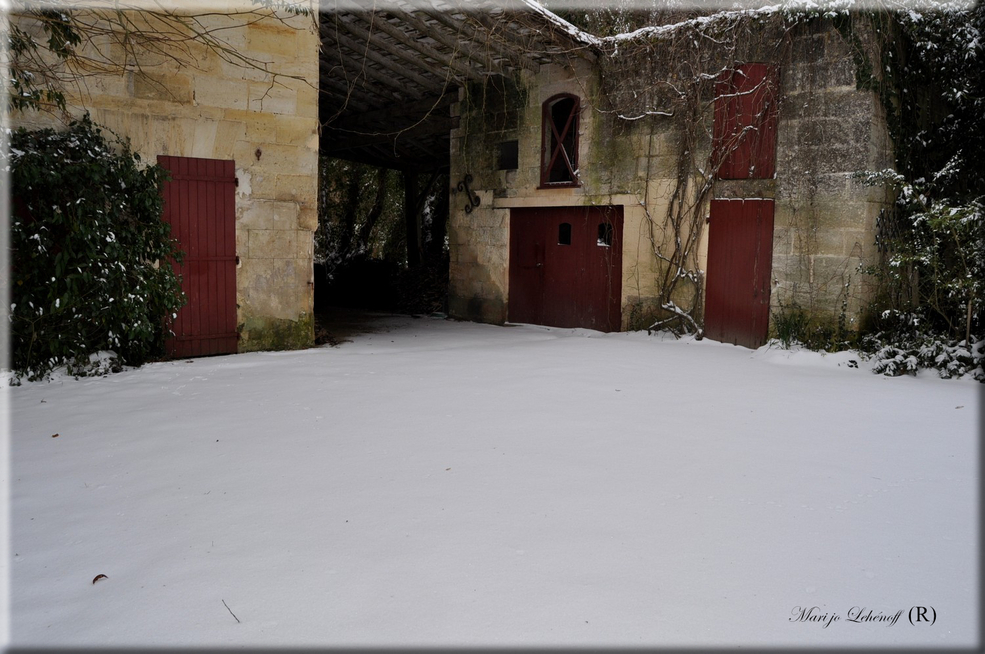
[(360, 210), (794, 325), (904, 342), (361, 241), (89, 269), (33, 89), (935, 256), (933, 268), (934, 93)]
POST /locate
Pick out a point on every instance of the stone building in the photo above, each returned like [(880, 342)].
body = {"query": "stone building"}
[(237, 125), (584, 171), (703, 168)]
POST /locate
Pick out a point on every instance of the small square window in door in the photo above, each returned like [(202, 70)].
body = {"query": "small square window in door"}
[(573, 284), (564, 234), (605, 235)]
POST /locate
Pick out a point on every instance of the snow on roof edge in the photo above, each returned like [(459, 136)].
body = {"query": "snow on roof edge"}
[(574, 32), (700, 21)]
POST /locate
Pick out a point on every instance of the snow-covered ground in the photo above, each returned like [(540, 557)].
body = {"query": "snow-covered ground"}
[(445, 483)]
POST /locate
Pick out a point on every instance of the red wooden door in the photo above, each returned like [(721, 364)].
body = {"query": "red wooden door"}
[(740, 258), (745, 122), (566, 267), (200, 206)]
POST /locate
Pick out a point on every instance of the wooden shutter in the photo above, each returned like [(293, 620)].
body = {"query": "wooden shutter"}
[(200, 206), (745, 122)]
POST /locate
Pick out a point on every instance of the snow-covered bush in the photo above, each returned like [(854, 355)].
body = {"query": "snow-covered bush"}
[(90, 257), (906, 342), (933, 269)]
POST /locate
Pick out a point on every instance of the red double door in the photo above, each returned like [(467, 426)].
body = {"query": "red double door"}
[(200, 206), (566, 267)]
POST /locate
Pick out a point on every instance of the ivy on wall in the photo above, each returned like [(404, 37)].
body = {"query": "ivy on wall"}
[(928, 75)]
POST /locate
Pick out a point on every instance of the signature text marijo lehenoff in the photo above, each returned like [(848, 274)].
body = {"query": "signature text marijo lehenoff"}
[(856, 614)]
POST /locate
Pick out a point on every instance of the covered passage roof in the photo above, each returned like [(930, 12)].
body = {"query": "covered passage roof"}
[(391, 69)]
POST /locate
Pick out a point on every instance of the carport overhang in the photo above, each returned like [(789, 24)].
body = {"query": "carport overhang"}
[(391, 70)]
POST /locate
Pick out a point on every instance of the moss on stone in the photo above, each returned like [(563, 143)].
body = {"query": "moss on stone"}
[(276, 334)]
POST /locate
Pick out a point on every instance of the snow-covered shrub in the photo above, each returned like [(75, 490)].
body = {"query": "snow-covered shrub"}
[(90, 267), (906, 342), (933, 269)]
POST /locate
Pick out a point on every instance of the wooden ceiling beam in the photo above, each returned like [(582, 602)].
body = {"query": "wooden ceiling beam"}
[(351, 65), (411, 111), (485, 34), (378, 21), (367, 88), (392, 66), (475, 56), (501, 26), (432, 126), (347, 95)]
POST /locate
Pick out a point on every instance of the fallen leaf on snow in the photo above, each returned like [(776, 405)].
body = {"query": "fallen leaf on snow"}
[(98, 577)]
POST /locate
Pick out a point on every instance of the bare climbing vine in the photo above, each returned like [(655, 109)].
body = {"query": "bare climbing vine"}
[(661, 83), (54, 48)]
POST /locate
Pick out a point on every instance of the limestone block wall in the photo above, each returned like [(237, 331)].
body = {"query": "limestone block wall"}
[(265, 118), (610, 174), (824, 224)]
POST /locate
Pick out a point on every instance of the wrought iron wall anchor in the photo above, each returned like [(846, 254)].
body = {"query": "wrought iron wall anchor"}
[(474, 199)]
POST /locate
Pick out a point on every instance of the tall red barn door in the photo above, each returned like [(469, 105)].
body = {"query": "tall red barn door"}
[(566, 267), (200, 206), (740, 258)]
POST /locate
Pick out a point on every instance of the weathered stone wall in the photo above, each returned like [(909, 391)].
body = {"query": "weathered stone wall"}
[(824, 222), (611, 174), (197, 104)]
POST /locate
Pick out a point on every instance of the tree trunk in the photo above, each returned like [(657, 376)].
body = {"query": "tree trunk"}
[(439, 223), (376, 211), (412, 223)]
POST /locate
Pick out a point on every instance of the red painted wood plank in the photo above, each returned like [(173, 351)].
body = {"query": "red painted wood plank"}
[(737, 285), (577, 283), (745, 117), (200, 206)]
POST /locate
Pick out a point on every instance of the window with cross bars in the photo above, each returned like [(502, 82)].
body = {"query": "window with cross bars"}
[(559, 165)]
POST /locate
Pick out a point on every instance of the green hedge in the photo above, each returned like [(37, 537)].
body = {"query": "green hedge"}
[(90, 252)]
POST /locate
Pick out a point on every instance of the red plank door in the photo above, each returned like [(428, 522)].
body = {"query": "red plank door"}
[(740, 258), (566, 267), (200, 206), (745, 122)]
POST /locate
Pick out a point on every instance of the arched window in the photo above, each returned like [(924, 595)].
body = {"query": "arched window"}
[(559, 163)]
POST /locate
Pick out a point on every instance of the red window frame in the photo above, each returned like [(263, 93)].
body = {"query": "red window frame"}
[(556, 157)]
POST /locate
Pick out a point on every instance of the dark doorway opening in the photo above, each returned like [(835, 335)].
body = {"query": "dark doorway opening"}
[(380, 244)]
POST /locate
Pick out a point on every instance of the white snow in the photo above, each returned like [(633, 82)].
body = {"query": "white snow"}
[(579, 35), (446, 483)]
